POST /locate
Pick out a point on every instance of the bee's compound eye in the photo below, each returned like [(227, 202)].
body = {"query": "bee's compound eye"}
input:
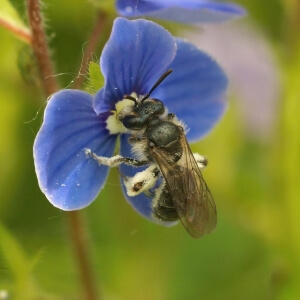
[(151, 107), (133, 122)]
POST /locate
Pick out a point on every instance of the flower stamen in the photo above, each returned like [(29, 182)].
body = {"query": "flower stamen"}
[(113, 123)]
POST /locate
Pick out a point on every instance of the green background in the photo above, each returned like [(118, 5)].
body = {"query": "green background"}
[(254, 252)]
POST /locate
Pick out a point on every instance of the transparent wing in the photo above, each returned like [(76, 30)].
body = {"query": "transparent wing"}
[(191, 196)]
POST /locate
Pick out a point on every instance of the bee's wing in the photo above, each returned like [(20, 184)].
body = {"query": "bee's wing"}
[(191, 196)]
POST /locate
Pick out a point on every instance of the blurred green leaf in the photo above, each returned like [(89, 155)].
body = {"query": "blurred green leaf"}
[(105, 5), (96, 77), (13, 254), (10, 19), (290, 172), (27, 65), (268, 14), (18, 264), (24, 286), (8, 13)]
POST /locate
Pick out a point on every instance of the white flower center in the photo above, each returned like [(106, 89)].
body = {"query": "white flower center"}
[(113, 123)]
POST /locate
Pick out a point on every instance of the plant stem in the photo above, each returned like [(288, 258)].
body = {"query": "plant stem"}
[(93, 42), (20, 32), (79, 238), (40, 48), (50, 85)]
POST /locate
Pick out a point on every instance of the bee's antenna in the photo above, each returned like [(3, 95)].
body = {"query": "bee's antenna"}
[(159, 81)]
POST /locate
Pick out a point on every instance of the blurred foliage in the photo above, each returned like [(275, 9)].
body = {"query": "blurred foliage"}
[(254, 253), (8, 12), (269, 15), (96, 79)]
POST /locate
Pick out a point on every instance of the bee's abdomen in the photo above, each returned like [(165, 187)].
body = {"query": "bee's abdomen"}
[(164, 210)]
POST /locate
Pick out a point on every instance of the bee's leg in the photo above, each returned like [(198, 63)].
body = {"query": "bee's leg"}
[(134, 139), (202, 162), (115, 160), (142, 181)]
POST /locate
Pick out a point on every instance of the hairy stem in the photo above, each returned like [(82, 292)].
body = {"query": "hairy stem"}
[(50, 85), (40, 48), (79, 238), (93, 42)]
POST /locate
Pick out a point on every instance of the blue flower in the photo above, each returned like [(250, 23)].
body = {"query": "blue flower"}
[(183, 11), (136, 55)]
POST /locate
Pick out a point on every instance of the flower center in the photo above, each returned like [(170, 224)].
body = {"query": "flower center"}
[(113, 123)]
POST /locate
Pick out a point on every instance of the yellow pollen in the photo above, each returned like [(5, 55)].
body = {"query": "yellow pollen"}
[(113, 124)]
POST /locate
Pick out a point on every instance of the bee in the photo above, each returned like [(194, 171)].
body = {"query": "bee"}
[(159, 140)]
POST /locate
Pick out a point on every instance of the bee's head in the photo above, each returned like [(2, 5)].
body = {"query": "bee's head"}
[(144, 109), (142, 113)]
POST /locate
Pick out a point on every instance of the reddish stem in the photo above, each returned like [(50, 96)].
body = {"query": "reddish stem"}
[(80, 242), (93, 42), (40, 48), (22, 33), (76, 224)]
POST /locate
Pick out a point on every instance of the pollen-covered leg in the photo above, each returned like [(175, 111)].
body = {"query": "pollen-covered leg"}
[(201, 160), (141, 181), (115, 161)]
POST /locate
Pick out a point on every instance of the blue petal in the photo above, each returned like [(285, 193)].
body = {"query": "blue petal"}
[(188, 11), (195, 91), (136, 55), (68, 178)]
